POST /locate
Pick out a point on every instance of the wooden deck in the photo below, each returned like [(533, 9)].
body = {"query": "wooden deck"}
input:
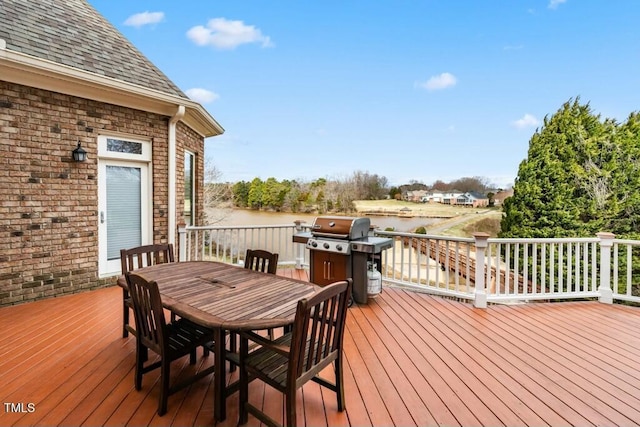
[(411, 359)]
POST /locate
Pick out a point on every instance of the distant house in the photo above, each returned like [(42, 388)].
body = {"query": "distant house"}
[(68, 77), (433, 197), (501, 196), (451, 198), (415, 196), (472, 199), (458, 198)]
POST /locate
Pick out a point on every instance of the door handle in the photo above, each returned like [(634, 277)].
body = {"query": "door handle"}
[(101, 217)]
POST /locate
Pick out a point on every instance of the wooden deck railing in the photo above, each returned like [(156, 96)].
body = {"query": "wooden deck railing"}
[(229, 243), (485, 269), (480, 269), (450, 256)]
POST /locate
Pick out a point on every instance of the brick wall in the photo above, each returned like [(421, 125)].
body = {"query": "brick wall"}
[(48, 203)]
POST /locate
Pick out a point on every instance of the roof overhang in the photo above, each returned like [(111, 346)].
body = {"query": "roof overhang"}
[(16, 67)]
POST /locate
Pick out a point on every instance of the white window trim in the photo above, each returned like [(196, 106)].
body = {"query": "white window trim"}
[(193, 183), (106, 154)]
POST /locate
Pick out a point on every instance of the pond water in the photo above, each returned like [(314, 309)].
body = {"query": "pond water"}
[(250, 217)]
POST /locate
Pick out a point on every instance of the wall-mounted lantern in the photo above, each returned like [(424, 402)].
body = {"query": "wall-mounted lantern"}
[(79, 154)]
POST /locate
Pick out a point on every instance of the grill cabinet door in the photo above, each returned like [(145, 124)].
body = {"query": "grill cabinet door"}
[(327, 267)]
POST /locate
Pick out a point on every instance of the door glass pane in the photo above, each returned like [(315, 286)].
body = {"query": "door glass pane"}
[(124, 226), (189, 188)]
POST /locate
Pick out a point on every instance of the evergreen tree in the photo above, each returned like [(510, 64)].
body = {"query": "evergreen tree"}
[(255, 193), (581, 176), (241, 193), (624, 219)]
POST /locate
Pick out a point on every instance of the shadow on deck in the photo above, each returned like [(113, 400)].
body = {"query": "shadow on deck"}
[(411, 359)]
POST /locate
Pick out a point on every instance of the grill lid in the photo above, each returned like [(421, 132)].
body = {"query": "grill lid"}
[(341, 227)]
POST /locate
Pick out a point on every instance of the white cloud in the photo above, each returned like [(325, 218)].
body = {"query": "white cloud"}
[(144, 18), (527, 121), (439, 82), (203, 96), (225, 34), (553, 4), (513, 47)]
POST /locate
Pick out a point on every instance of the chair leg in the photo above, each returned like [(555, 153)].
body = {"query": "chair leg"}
[(125, 317), (244, 382), (233, 347), (140, 353), (290, 408), (339, 384), (192, 357), (165, 373)]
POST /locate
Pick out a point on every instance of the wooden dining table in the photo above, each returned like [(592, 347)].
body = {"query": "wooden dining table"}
[(226, 297)]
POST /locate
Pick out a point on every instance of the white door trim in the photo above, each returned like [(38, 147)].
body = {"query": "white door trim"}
[(142, 160)]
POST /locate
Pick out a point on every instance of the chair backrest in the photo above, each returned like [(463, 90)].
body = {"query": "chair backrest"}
[(318, 330), (149, 314), (260, 260), (144, 256)]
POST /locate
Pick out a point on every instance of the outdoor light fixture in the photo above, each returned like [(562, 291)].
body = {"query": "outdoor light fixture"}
[(79, 154)]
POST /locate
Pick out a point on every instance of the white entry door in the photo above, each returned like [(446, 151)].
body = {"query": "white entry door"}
[(123, 210)]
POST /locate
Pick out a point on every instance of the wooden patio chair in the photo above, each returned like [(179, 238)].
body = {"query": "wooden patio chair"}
[(170, 341), (138, 257), (290, 361), (261, 260), (258, 260)]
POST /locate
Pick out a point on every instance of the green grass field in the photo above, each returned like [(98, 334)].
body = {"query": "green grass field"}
[(456, 220), (430, 210)]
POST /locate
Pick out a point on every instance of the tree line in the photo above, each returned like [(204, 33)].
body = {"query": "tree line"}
[(322, 195), (334, 195)]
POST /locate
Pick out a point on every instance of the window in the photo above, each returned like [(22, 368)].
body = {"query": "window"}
[(124, 148), (120, 146), (189, 188)]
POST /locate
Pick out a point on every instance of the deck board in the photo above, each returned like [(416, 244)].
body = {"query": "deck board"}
[(410, 359)]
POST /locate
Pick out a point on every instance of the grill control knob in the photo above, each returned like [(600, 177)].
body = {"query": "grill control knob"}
[(338, 247), (326, 245), (314, 244)]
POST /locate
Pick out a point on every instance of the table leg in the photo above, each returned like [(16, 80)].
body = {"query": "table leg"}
[(219, 392)]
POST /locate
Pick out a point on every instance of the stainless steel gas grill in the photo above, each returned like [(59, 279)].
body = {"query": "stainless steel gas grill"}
[(340, 247)]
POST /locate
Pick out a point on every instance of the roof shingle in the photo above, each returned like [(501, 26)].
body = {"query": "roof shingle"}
[(73, 33)]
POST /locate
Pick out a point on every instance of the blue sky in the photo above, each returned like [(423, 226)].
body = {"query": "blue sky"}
[(410, 90)]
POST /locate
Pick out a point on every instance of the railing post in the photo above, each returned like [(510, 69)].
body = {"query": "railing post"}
[(480, 300), (182, 242), (606, 242), (299, 248)]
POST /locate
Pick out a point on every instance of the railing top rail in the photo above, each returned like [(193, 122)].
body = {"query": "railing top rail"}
[(626, 242), (423, 236), (237, 227), (545, 240)]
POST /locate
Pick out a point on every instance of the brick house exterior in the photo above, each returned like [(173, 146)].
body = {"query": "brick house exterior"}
[(53, 95)]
